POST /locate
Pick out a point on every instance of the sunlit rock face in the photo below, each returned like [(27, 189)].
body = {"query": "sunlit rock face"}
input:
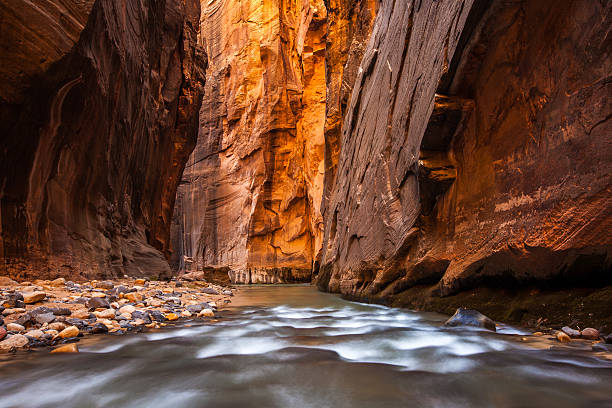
[(96, 130), (501, 178), (250, 196)]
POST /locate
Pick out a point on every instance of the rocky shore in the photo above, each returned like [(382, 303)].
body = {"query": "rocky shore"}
[(57, 313)]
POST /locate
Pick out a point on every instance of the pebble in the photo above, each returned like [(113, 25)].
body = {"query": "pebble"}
[(66, 348), (590, 333), (563, 337), (71, 331), (33, 297), (14, 341), (15, 327)]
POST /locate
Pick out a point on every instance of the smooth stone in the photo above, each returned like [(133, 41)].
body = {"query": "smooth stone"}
[(24, 319), (106, 314), (57, 326), (51, 333), (127, 309), (590, 333), (33, 297), (139, 282), (186, 313), (134, 297), (2, 332), (195, 308), (15, 327), (571, 332), (99, 328), (80, 323), (228, 293), (468, 317), (105, 285), (563, 337), (58, 282), (68, 332), (81, 314), (10, 311), (14, 341), (206, 313), (157, 315), (66, 348), (36, 334), (98, 303), (210, 291), (44, 318), (61, 311)]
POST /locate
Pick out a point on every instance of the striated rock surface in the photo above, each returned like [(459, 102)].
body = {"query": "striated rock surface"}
[(249, 201), (97, 126), (475, 151)]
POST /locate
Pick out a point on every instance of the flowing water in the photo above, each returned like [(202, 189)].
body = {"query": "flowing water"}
[(292, 346)]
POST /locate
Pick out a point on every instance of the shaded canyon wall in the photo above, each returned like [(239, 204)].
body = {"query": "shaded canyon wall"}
[(98, 112), (475, 151)]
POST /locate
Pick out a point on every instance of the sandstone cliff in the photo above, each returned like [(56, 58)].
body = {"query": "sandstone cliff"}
[(250, 197), (507, 183), (98, 111)]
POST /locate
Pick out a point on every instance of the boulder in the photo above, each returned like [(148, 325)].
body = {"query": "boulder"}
[(590, 333), (468, 317), (33, 297), (66, 348), (68, 332), (13, 342)]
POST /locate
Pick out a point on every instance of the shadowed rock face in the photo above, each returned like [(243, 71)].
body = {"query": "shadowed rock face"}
[(507, 182), (251, 192), (96, 130)]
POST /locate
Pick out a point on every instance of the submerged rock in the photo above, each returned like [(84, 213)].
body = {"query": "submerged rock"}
[(468, 317), (66, 348), (563, 337)]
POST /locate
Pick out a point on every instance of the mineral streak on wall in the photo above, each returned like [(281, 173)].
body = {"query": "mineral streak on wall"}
[(475, 150), (98, 112), (249, 200)]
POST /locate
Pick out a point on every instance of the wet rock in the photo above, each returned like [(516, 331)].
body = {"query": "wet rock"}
[(66, 348), (210, 291), (228, 293), (13, 342), (99, 328), (137, 314), (185, 313), (43, 318), (15, 327), (206, 313), (33, 297), (58, 282), (563, 337), (590, 334), (119, 290), (61, 311), (608, 339), (14, 299), (68, 332), (79, 323), (468, 317), (571, 332), (2, 332), (98, 303), (24, 319)]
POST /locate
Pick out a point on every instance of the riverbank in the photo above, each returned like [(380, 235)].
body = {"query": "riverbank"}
[(58, 313)]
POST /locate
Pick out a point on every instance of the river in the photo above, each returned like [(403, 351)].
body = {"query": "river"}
[(292, 346)]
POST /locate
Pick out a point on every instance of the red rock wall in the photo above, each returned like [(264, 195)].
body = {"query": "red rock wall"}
[(250, 196), (97, 131), (507, 183)]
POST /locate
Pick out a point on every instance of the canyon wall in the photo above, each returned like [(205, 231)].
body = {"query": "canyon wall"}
[(98, 110), (475, 151), (249, 200)]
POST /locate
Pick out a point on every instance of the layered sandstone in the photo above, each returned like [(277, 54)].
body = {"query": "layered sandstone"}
[(501, 178), (250, 195), (97, 127)]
